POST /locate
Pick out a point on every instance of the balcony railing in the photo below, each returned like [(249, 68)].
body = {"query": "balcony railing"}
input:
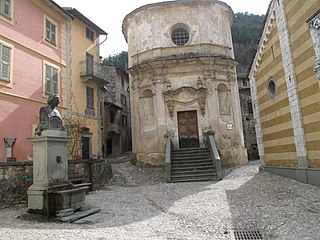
[(93, 71)]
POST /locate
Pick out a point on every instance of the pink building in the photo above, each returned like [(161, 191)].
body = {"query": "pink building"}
[(33, 62)]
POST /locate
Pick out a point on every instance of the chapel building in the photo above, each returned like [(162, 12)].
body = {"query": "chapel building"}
[(183, 79)]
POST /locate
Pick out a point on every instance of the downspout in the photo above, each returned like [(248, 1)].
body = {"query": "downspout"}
[(68, 67), (104, 39)]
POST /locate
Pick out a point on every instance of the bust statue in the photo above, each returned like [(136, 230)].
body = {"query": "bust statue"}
[(49, 116)]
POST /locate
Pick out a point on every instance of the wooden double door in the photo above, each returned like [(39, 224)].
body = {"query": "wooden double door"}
[(188, 129)]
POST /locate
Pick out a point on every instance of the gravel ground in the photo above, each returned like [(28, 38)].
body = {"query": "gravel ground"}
[(138, 204)]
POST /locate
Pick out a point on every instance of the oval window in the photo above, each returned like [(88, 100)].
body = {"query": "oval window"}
[(180, 35), (272, 88)]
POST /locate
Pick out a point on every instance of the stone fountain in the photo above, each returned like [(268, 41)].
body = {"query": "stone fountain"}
[(51, 193)]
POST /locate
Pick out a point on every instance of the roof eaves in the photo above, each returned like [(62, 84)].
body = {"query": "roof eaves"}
[(262, 39), (58, 8), (74, 12)]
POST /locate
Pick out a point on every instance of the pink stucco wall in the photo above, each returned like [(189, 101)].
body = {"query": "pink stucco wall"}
[(17, 114), (28, 28), (16, 118)]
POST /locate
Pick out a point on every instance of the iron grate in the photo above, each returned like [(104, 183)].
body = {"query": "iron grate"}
[(248, 235)]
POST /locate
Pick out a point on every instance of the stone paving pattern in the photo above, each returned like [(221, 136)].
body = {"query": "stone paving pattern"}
[(138, 204)]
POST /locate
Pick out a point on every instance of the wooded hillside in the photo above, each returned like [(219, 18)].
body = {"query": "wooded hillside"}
[(245, 33)]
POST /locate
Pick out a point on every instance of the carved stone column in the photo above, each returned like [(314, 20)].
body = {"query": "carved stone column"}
[(314, 25)]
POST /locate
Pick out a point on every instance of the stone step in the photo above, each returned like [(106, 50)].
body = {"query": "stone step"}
[(202, 179), (192, 172), (191, 178), (190, 157), (192, 167), (192, 164), (92, 218), (191, 151), (78, 215)]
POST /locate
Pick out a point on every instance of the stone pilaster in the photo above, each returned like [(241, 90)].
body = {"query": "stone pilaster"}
[(292, 87)]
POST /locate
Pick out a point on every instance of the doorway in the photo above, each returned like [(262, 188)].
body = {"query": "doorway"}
[(188, 129), (85, 147), (109, 146)]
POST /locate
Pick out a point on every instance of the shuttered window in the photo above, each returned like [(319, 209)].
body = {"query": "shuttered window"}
[(5, 57), (5, 8), (51, 84), (90, 98), (50, 33)]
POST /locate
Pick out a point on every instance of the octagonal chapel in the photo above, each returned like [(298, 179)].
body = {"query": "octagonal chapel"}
[(183, 79)]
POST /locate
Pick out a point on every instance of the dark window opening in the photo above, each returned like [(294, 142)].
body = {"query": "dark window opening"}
[(90, 98), (112, 117), (180, 36), (249, 107), (90, 34)]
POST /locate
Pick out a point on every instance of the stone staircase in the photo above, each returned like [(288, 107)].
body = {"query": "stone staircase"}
[(192, 164)]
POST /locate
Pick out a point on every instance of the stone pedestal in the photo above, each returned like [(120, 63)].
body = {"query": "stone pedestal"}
[(50, 169)]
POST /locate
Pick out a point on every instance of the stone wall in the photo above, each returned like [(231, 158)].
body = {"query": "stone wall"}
[(98, 172), (16, 177)]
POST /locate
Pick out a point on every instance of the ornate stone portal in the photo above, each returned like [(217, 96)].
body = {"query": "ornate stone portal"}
[(181, 61)]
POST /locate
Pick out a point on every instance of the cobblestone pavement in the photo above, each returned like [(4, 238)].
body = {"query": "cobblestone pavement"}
[(138, 204)]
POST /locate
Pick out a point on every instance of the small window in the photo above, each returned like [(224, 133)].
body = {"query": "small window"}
[(123, 100), (245, 83), (51, 80), (89, 34), (5, 8), (180, 35), (50, 32), (122, 80), (272, 88), (249, 107), (112, 117), (124, 120), (90, 63), (90, 98), (5, 62)]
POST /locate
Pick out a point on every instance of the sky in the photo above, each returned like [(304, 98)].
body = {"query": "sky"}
[(109, 15)]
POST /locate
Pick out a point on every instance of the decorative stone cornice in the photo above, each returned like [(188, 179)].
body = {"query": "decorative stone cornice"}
[(314, 21), (194, 95), (314, 25)]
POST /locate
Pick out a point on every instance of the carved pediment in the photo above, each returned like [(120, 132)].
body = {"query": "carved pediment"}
[(186, 95)]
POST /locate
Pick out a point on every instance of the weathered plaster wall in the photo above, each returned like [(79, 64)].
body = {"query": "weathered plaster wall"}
[(166, 78), (148, 29), (80, 45)]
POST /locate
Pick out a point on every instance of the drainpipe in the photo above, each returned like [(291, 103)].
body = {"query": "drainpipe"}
[(104, 40)]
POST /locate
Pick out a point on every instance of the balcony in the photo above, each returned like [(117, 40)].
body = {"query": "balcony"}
[(93, 71), (113, 127)]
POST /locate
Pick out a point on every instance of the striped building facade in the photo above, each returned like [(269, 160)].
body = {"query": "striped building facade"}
[(284, 80)]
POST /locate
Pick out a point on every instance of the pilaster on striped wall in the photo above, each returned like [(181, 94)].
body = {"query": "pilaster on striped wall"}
[(290, 76), (314, 25)]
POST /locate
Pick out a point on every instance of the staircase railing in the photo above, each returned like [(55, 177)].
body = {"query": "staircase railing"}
[(215, 155), (168, 159)]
